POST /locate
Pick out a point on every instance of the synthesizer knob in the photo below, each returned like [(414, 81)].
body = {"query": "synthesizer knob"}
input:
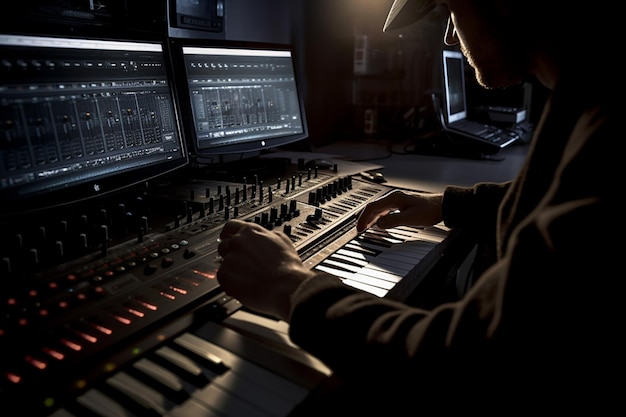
[(150, 268), (287, 229), (167, 262)]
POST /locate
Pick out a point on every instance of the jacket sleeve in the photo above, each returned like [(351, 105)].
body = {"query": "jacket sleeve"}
[(474, 208)]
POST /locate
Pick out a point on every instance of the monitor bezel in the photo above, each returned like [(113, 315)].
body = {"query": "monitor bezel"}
[(247, 148), (14, 202)]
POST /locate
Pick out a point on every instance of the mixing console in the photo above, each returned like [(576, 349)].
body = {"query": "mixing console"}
[(84, 284)]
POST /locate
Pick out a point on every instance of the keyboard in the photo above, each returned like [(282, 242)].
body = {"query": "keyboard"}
[(491, 138)]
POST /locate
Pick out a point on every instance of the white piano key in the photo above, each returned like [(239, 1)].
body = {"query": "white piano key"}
[(252, 392), (192, 408), (143, 395), (103, 405), (353, 276), (274, 333), (375, 271), (367, 288), (179, 360), (247, 369), (391, 265), (354, 260), (61, 412), (160, 374), (366, 268), (189, 343), (361, 274), (225, 404)]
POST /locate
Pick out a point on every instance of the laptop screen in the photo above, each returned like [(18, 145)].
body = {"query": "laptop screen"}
[(454, 86)]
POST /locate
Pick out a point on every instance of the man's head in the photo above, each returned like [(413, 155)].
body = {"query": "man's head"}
[(506, 41)]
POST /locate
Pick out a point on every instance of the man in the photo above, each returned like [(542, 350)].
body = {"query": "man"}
[(539, 331)]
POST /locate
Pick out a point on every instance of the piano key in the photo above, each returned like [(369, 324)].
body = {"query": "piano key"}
[(181, 361), (196, 346), (146, 397), (358, 274), (285, 371), (193, 408), (252, 391), (389, 265), (390, 273), (274, 333), (103, 405), (247, 369), (232, 394), (378, 259), (365, 269), (162, 379), (225, 404), (379, 292), (61, 412)]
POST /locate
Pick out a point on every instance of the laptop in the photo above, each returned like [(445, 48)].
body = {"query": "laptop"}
[(469, 133)]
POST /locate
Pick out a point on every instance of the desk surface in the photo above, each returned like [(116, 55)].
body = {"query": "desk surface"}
[(427, 172)]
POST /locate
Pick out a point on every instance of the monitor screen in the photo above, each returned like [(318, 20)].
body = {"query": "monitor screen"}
[(454, 85), (239, 97), (83, 117)]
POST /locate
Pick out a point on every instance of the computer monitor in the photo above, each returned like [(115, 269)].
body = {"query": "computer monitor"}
[(81, 118), (454, 86), (238, 97)]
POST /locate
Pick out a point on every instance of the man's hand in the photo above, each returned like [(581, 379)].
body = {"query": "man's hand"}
[(260, 268), (400, 208)]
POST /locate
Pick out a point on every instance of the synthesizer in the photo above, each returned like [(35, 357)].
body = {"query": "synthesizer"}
[(112, 308)]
